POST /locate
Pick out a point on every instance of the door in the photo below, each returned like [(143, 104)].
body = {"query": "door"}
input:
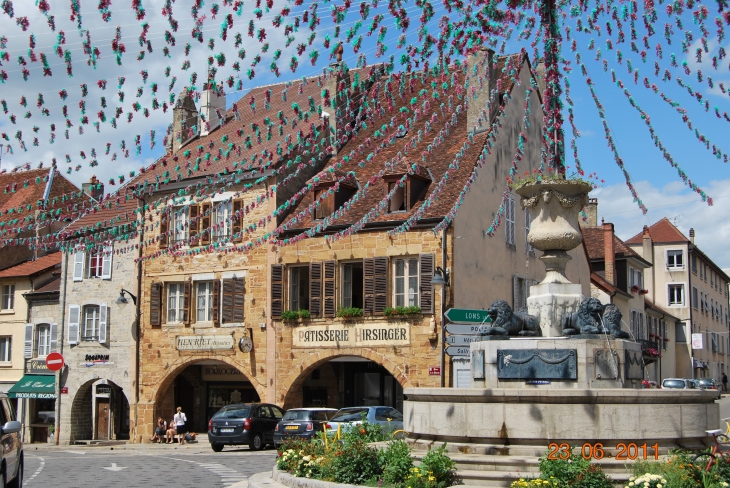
[(102, 418)]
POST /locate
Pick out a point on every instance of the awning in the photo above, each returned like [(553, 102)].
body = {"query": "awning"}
[(34, 386)]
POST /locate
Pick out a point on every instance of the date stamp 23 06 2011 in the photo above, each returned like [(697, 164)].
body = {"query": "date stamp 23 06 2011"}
[(626, 451)]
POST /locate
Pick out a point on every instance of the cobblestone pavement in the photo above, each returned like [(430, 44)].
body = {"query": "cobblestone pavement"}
[(194, 465)]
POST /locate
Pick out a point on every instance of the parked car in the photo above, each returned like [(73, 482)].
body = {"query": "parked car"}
[(244, 423), (649, 384), (707, 384), (303, 423), (390, 418), (679, 384), (12, 452)]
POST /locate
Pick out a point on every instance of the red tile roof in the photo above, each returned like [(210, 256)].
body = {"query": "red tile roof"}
[(594, 243), (648, 304), (30, 268), (661, 232), (51, 286)]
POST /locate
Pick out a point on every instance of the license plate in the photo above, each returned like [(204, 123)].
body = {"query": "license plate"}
[(226, 430), (292, 427)]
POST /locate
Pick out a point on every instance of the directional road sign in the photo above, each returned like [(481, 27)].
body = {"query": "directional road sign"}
[(466, 316), (457, 351), (474, 329), (462, 340)]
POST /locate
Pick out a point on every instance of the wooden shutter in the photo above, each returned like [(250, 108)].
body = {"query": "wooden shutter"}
[(380, 268), (239, 299), (163, 230), (102, 322), (54, 337), (425, 273), (156, 304), (228, 291), (187, 289), (216, 301), (277, 290), (315, 289), (74, 311), (329, 288), (236, 220), (193, 223), (28, 344), (78, 274), (368, 268), (106, 263), (204, 227)]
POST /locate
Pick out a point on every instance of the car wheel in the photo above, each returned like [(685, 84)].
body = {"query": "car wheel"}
[(18, 481), (216, 446), (257, 443)]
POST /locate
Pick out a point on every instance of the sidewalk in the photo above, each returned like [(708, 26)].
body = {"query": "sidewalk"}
[(121, 446)]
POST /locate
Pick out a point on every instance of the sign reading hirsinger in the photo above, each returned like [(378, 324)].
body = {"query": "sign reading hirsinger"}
[(375, 334), (204, 342)]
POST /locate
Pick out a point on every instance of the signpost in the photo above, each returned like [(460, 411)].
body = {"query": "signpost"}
[(54, 361), (467, 316), (468, 329), (462, 340), (457, 351)]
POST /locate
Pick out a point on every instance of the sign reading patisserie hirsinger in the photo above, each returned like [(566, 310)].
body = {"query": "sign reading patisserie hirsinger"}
[(359, 335), (204, 342)]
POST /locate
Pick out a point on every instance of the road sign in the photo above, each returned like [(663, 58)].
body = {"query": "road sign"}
[(473, 329), (434, 370), (54, 361), (467, 316), (457, 351), (462, 340)]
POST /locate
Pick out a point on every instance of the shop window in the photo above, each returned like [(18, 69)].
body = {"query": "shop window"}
[(405, 293), (299, 288), (204, 301), (675, 295), (352, 285), (8, 297), (5, 349), (175, 303)]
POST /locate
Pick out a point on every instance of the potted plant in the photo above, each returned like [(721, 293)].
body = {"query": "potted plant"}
[(349, 312), (402, 311), (289, 315)]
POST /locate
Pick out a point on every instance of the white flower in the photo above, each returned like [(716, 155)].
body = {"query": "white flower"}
[(659, 485)]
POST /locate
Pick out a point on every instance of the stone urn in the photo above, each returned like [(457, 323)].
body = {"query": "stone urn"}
[(555, 207)]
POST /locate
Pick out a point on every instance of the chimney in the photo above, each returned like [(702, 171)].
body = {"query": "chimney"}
[(692, 235), (609, 254), (184, 122), (94, 188), (480, 70), (591, 210), (212, 108), (337, 102), (647, 246)]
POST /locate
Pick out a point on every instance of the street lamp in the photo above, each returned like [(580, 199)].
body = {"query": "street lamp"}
[(122, 300), (441, 280)]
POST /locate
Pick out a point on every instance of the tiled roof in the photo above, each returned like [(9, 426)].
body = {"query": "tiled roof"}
[(648, 304), (30, 268), (594, 244), (662, 231), (51, 286)]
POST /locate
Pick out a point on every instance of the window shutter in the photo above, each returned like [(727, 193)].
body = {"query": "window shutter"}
[(368, 267), (425, 273), (236, 219), (54, 337), (156, 304), (239, 302), (106, 263), (277, 290), (193, 224), (187, 288), (28, 345), (329, 288), (515, 293), (380, 268), (228, 291), (204, 227), (163, 230), (514, 221), (73, 324), (216, 301), (78, 266), (315, 289), (102, 323)]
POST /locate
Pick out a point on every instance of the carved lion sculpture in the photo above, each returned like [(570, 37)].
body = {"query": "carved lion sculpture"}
[(587, 320), (508, 323), (612, 319)]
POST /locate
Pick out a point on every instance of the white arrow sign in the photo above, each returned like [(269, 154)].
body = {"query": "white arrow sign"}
[(462, 340), (457, 351), (477, 329), (114, 467)]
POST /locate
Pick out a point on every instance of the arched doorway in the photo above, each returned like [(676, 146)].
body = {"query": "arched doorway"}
[(201, 389), (99, 412), (345, 381)]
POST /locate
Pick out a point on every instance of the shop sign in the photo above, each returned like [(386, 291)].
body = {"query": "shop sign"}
[(221, 373), (338, 335), (103, 390), (37, 366), (204, 342)]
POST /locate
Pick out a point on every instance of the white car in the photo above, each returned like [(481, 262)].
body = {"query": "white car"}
[(390, 418)]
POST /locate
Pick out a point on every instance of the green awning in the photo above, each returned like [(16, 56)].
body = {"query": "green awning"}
[(34, 386)]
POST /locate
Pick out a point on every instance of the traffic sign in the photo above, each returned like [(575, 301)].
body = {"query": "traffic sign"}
[(462, 340), (54, 361), (467, 316), (474, 329), (457, 351)]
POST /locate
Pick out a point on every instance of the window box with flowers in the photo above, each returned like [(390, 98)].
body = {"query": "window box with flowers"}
[(639, 290), (402, 311), (349, 312), (294, 315)]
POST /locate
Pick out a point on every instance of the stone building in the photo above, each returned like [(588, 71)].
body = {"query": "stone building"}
[(686, 282)]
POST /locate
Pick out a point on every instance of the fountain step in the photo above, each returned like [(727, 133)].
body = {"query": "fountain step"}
[(505, 478)]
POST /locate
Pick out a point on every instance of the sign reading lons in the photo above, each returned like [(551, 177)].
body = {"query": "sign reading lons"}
[(381, 334)]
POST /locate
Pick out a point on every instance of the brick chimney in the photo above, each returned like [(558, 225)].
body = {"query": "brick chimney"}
[(609, 253), (591, 210), (94, 188)]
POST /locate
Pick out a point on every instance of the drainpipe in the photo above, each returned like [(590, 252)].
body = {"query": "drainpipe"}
[(691, 306), (57, 426), (139, 329), (443, 310)]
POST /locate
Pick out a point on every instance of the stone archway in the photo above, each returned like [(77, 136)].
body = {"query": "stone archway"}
[(295, 379), (80, 423)]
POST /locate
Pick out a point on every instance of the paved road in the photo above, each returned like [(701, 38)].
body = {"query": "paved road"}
[(195, 465)]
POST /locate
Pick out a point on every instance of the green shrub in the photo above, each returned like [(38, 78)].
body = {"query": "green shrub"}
[(355, 463), (679, 471), (573, 472), (437, 464), (396, 462), (536, 483), (412, 310), (301, 458), (349, 312), (364, 432), (304, 314), (289, 315)]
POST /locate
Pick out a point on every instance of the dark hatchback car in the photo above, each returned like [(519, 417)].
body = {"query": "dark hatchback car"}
[(249, 424), (303, 423)]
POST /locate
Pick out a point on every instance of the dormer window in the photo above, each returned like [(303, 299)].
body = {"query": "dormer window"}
[(332, 202), (406, 196)]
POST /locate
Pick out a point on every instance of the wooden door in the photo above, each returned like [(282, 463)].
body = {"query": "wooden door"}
[(102, 419)]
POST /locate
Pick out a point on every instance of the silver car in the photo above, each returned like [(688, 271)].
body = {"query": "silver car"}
[(679, 384), (12, 446), (390, 418)]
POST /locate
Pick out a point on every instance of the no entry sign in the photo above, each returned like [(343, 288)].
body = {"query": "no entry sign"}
[(54, 361)]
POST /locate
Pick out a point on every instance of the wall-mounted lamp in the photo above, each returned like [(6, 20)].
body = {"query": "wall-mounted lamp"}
[(122, 300)]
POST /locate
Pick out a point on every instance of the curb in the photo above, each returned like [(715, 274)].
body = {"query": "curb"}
[(282, 479)]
